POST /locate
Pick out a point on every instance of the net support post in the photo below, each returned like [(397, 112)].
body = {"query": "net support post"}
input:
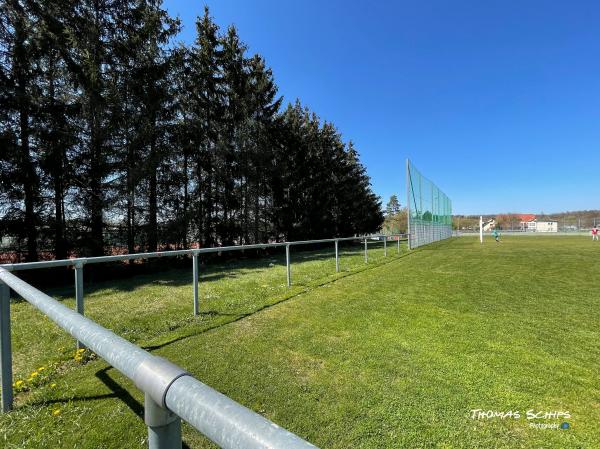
[(195, 283), (398, 238), (337, 256), (288, 265), (79, 305), (5, 349), (385, 246), (366, 252), (408, 230)]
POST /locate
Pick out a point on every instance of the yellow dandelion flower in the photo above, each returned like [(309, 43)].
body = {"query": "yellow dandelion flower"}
[(18, 383), (41, 368), (56, 412), (35, 373), (81, 351), (52, 385)]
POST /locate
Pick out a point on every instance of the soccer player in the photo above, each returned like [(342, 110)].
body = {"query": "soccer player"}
[(594, 233), (496, 235)]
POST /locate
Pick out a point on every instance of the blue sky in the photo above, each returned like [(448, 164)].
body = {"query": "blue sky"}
[(498, 102)]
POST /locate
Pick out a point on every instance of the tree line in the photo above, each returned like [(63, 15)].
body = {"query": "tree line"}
[(112, 134)]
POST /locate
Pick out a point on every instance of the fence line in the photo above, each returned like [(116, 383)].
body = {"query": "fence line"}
[(79, 263), (181, 252), (170, 392)]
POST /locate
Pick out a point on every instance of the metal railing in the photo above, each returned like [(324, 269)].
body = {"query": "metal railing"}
[(170, 393), (78, 263)]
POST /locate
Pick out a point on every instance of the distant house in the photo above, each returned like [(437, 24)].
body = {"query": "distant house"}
[(488, 225), (530, 223), (527, 222), (546, 226)]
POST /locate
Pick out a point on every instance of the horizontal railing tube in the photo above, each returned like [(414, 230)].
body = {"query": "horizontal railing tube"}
[(224, 421), (183, 252), (204, 408), (117, 351)]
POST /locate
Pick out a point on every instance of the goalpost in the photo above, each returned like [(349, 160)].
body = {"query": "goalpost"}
[(429, 210)]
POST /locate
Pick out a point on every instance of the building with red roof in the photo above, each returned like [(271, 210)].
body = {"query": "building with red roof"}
[(525, 218)]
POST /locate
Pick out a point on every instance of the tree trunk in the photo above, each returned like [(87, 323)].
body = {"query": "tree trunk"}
[(60, 244), (184, 224), (21, 68), (57, 167), (95, 194), (29, 186), (152, 210), (130, 201)]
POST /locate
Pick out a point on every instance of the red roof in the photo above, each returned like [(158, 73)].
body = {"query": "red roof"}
[(525, 217)]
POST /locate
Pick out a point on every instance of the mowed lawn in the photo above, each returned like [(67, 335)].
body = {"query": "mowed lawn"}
[(394, 354)]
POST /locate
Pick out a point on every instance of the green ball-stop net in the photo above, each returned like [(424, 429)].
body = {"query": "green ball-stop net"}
[(429, 210)]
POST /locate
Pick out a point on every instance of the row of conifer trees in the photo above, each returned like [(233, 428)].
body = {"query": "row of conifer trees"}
[(113, 134)]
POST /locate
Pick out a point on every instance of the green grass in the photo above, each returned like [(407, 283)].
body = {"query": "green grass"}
[(390, 355)]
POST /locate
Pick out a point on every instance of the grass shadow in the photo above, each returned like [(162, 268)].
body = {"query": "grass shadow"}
[(209, 271), (306, 288)]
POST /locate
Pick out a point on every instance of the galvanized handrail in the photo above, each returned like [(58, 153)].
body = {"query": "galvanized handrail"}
[(78, 263), (171, 393), (181, 252)]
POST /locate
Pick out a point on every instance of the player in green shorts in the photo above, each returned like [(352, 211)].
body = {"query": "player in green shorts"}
[(496, 235)]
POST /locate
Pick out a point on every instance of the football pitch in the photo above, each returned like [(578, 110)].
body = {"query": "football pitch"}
[(453, 345)]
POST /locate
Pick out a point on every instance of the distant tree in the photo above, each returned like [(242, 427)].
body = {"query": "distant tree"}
[(56, 136), (395, 217), (393, 206), (19, 77), (202, 109)]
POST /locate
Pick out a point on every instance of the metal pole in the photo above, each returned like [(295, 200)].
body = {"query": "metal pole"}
[(432, 226), (398, 244), (408, 204), (195, 282), (337, 257), (79, 294), (287, 263), (480, 229), (366, 253), (5, 348), (385, 246), (164, 427)]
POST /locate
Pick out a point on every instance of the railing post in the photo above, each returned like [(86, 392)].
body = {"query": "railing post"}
[(385, 246), (287, 263), (398, 237), (366, 253), (79, 294), (195, 282), (164, 427), (337, 257), (5, 349)]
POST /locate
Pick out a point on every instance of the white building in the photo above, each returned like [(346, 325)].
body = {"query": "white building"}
[(546, 226), (530, 223)]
